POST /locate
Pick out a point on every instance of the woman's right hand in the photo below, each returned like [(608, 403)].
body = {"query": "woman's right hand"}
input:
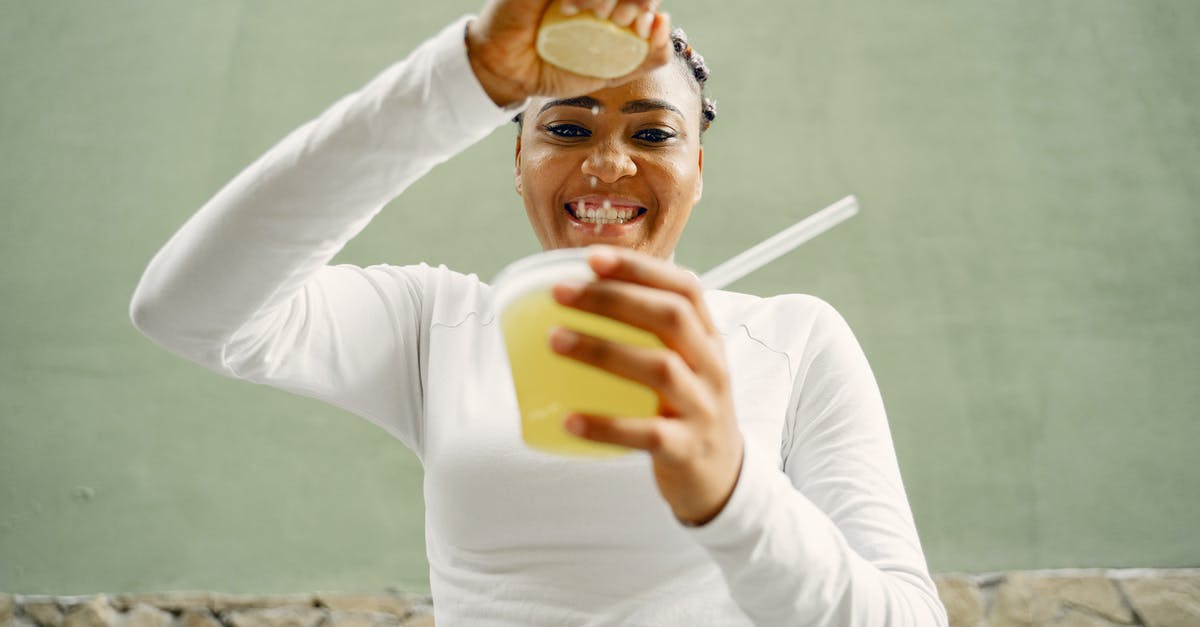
[(501, 47)]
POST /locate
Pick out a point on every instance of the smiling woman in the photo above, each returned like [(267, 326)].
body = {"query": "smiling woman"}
[(768, 493), (625, 159)]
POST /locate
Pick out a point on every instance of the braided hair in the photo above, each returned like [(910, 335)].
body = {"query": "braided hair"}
[(696, 68), (699, 70)]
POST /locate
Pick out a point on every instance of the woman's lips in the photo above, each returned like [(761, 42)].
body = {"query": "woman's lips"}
[(607, 218), (604, 210)]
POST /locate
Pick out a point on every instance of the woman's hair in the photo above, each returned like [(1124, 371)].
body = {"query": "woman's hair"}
[(697, 69)]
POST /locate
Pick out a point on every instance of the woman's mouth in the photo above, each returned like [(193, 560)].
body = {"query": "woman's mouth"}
[(600, 211)]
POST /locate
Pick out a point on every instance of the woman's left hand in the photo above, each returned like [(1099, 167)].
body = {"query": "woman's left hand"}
[(694, 443)]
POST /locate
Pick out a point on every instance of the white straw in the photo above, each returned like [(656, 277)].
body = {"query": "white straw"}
[(782, 242)]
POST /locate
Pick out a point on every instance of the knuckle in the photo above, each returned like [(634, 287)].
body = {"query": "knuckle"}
[(678, 365), (721, 385), (668, 369), (596, 295), (661, 372), (673, 312), (692, 286), (708, 406), (678, 450), (600, 430), (655, 440), (593, 350)]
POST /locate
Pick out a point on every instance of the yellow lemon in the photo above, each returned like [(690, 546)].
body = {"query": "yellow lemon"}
[(585, 44)]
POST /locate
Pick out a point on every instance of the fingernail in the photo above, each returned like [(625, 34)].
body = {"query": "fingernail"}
[(574, 424), (563, 340), (644, 22), (604, 11), (567, 293), (625, 14), (569, 8)]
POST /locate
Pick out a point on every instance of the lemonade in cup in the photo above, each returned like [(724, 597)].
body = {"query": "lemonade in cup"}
[(549, 386)]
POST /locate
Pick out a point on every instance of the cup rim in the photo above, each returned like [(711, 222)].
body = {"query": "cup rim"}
[(539, 270)]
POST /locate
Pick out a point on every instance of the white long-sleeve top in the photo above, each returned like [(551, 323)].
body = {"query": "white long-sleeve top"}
[(818, 529)]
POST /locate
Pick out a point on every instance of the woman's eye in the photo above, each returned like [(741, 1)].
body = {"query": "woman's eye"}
[(567, 131), (653, 135)]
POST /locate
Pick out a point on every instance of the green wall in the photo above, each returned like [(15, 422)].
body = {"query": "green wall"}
[(1025, 274)]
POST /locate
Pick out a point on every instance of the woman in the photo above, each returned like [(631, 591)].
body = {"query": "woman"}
[(770, 493)]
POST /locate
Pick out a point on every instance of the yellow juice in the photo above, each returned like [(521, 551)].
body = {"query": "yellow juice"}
[(550, 386)]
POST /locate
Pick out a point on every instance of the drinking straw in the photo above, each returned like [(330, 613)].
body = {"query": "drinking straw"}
[(782, 242)]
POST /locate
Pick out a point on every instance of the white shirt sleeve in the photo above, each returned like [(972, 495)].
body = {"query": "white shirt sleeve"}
[(829, 540), (243, 287)]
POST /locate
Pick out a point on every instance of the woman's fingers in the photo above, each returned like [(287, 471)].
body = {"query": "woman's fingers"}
[(625, 13), (661, 48), (621, 12), (695, 443), (679, 390), (605, 8), (675, 448), (668, 315), (656, 29), (665, 438), (609, 262), (630, 11), (656, 296), (500, 47), (602, 8)]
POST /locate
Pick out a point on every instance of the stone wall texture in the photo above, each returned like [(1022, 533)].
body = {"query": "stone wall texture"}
[(1075, 598), (205, 609)]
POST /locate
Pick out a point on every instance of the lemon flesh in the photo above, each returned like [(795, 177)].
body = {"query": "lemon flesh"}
[(587, 45)]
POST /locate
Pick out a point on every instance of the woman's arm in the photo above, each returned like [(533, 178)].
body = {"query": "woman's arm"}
[(828, 540), (243, 287)]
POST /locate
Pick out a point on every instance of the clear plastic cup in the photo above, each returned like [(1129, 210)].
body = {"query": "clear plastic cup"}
[(549, 386)]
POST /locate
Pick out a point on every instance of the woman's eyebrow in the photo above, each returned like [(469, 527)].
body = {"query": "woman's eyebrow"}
[(633, 106), (585, 102), (649, 104)]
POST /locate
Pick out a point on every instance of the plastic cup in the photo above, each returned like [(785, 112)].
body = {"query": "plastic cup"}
[(549, 386)]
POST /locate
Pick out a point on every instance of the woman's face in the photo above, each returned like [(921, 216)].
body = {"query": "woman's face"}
[(620, 166)]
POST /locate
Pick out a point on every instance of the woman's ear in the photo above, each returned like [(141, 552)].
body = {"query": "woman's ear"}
[(699, 176), (517, 168)]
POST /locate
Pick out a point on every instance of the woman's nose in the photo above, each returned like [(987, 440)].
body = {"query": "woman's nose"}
[(609, 163)]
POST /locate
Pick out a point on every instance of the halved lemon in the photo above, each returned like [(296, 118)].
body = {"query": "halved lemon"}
[(587, 45)]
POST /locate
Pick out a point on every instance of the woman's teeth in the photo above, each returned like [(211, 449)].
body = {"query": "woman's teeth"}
[(603, 215)]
